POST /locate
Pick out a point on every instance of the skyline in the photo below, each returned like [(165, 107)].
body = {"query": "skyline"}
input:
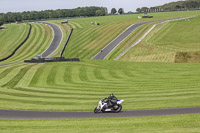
[(38, 5)]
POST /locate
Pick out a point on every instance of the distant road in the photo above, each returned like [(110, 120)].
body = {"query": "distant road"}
[(14, 114), (56, 40), (104, 52)]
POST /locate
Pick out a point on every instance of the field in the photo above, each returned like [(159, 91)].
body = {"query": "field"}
[(88, 40), (11, 37), (39, 40), (79, 86), (170, 39), (159, 124)]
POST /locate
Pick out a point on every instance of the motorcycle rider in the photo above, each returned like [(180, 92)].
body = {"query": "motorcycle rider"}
[(111, 100)]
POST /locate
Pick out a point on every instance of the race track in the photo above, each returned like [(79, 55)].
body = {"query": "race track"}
[(56, 40), (105, 51), (14, 114)]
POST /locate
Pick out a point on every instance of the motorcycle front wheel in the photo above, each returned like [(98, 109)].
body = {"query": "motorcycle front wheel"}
[(96, 110), (118, 109)]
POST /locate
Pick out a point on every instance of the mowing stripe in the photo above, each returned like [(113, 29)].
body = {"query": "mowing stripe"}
[(18, 46), (13, 82)]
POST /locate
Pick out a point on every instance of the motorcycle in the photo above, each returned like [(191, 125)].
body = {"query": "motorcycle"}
[(103, 107)]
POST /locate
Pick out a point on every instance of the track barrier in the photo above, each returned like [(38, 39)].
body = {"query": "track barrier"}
[(63, 50)]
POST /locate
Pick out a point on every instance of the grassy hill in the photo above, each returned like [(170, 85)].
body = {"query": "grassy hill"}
[(79, 85), (11, 37), (39, 40), (87, 40), (143, 85), (171, 42)]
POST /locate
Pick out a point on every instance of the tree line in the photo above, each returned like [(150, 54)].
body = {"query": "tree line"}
[(49, 14), (173, 6)]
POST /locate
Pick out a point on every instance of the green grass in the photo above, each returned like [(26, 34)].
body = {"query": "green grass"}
[(159, 124), (170, 39), (180, 35), (39, 40), (87, 40), (11, 37), (79, 86)]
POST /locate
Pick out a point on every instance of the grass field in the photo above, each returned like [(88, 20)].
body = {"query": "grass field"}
[(88, 40), (79, 86), (182, 35), (161, 124), (39, 40), (170, 39), (11, 37)]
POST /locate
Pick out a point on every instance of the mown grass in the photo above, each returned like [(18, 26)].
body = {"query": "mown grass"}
[(78, 86), (170, 39), (11, 37), (87, 40), (183, 35), (158, 124), (39, 40)]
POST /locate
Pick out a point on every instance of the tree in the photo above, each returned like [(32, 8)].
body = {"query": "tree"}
[(144, 9), (138, 10), (130, 12), (100, 12), (121, 11), (113, 11), (1, 20)]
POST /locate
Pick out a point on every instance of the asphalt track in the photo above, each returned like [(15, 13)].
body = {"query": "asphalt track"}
[(106, 50), (56, 40), (14, 114)]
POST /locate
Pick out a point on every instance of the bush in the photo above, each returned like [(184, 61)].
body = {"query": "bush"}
[(187, 57)]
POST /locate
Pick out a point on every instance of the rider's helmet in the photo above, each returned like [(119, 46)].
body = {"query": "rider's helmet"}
[(111, 95)]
